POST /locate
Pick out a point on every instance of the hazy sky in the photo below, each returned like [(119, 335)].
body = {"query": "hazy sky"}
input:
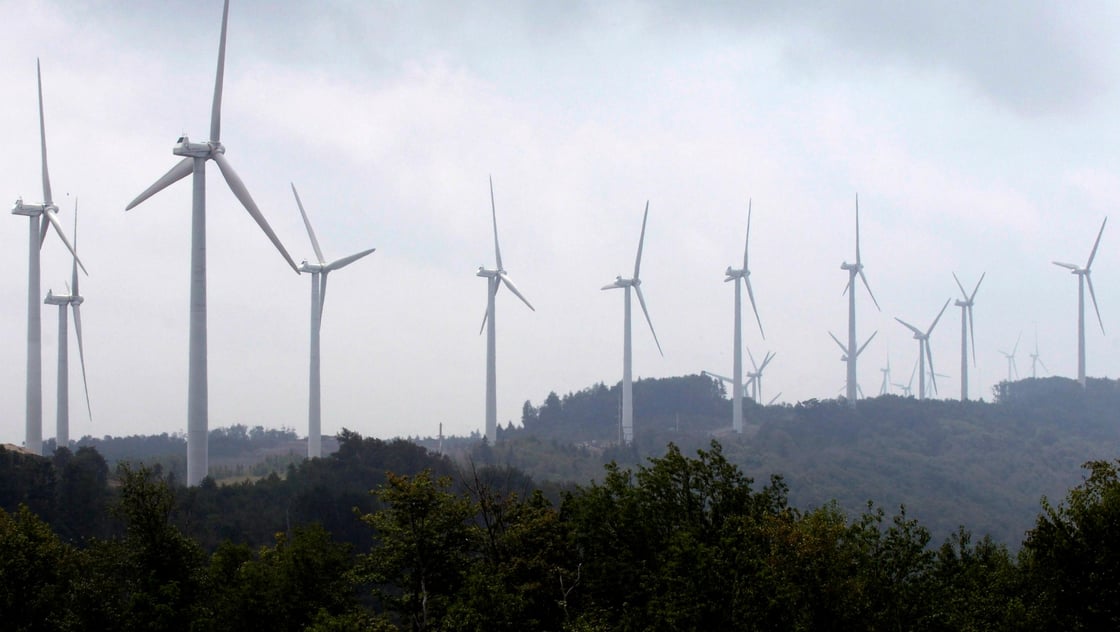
[(980, 138)]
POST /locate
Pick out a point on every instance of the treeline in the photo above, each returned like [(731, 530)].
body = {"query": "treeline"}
[(984, 464), (677, 543)]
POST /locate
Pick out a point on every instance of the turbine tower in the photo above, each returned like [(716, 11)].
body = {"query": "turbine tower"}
[(494, 280), (37, 232), (845, 357), (319, 272), (1035, 359), (1012, 369), (193, 163), (924, 352), (74, 300), (1083, 277), (854, 269), (743, 274), (634, 283), (756, 375), (726, 380), (967, 328)]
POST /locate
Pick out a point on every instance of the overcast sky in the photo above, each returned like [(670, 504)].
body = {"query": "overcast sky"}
[(979, 138)]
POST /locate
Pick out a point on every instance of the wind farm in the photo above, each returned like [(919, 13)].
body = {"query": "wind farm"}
[(398, 155)]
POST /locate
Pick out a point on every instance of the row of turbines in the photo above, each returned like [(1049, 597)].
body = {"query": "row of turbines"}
[(195, 155)]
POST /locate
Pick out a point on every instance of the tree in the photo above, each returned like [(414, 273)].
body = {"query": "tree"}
[(422, 552)]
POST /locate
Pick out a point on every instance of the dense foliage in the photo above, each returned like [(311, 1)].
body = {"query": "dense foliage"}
[(676, 543)]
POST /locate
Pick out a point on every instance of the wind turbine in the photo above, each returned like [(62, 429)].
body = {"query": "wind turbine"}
[(494, 280), (193, 163), (636, 284), (1012, 370), (854, 269), (37, 232), (74, 300), (319, 272), (1035, 359), (885, 387), (907, 388), (924, 352), (743, 274), (967, 328), (844, 357), (1083, 278), (756, 375)]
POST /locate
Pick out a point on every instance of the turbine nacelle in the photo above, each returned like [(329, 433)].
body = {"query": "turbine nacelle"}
[(31, 210), (620, 282), (851, 267), (489, 274), (184, 147), (313, 268)]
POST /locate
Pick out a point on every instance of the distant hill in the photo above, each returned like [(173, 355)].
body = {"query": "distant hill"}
[(982, 465)]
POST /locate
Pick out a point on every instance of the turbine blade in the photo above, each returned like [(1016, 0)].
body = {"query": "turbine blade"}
[(491, 290), (74, 264), (746, 246), (838, 343), (1043, 365), (345, 261), (1092, 255), (972, 331), (485, 315), (242, 194), (963, 293), (307, 224), (641, 241), (716, 375), (322, 293), (769, 356), (930, 330), (932, 374), (509, 283), (1016, 347), (1064, 265), (43, 140), (773, 399), (750, 294), (216, 108), (182, 169), (642, 301), (751, 356), (50, 215), (917, 332), (494, 215), (1093, 295), (860, 350), (81, 353), (857, 230), (863, 277), (977, 288)]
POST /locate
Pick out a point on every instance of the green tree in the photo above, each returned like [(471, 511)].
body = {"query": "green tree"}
[(423, 544)]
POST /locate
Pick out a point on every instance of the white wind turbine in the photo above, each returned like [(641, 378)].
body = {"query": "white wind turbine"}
[(924, 353), (634, 283), (194, 160), (1012, 369), (1035, 359), (319, 272), (36, 234), (743, 274), (844, 357), (854, 269), (72, 299), (885, 387), (494, 280), (907, 388), (1083, 277), (756, 375), (967, 328)]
